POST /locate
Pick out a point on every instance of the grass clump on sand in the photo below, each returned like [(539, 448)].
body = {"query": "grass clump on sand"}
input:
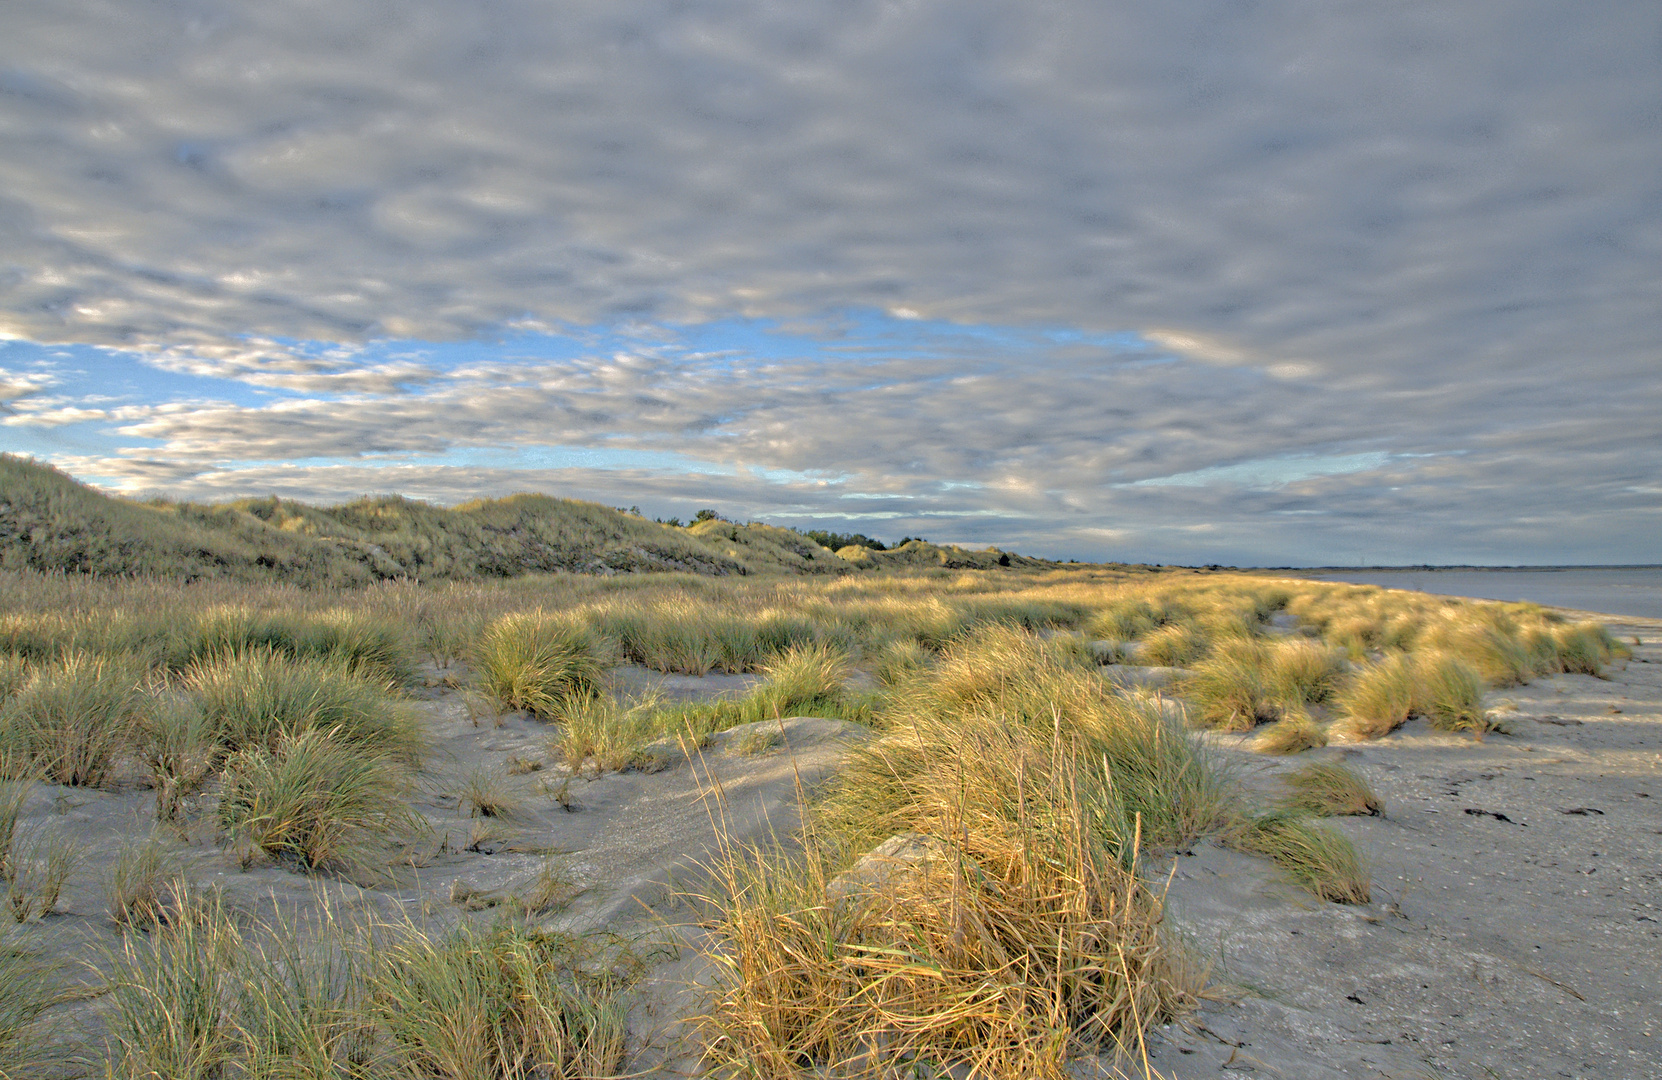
[(804, 680), (258, 697), (315, 798), (143, 880), (1173, 646), (544, 664), (1230, 690), (1304, 672), (1320, 860), (1379, 698), (1294, 733), (506, 1003), (1019, 944), (374, 646), (29, 984), (1448, 692), (74, 719), (207, 995), (1024, 937), (1330, 789)]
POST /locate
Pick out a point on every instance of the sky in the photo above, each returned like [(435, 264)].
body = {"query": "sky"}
[(1254, 282)]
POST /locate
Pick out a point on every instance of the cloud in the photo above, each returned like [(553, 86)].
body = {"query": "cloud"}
[(1429, 231)]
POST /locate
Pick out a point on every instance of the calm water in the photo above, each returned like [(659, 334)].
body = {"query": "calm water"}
[(1619, 592)]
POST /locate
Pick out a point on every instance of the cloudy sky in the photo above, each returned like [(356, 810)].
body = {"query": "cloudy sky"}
[(1248, 282)]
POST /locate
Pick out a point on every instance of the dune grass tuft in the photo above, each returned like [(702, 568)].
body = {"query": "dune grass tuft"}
[(167, 992), (259, 697), (1178, 645), (1448, 692), (144, 880), (1379, 698), (181, 746), (315, 798), (1318, 859), (29, 985), (544, 664), (485, 792), (37, 866), (74, 719), (1292, 734), (1328, 789), (1304, 672), (1027, 941), (1230, 690), (508, 1002)]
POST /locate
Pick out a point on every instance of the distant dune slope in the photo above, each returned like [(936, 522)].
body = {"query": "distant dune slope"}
[(51, 522)]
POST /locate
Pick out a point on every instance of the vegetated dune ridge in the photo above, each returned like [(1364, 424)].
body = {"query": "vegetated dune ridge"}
[(50, 522), (404, 806)]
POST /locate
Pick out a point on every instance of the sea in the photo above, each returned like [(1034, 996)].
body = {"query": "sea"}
[(1616, 591)]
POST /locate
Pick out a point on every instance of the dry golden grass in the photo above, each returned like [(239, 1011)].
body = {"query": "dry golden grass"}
[(1027, 942), (1379, 698), (1328, 789), (1231, 690), (1448, 692), (1318, 859), (544, 664), (1292, 734)]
